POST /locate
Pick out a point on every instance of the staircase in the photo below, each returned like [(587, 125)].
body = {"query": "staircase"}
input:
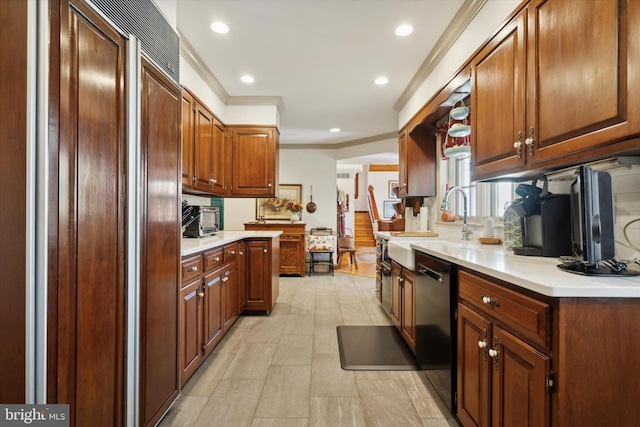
[(363, 233)]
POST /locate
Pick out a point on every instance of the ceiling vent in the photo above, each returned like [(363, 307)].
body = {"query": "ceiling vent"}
[(142, 18), (344, 175)]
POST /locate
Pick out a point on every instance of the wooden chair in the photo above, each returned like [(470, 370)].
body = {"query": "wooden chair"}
[(346, 246), (320, 248)]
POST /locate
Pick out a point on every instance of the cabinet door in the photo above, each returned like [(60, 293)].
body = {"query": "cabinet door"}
[(519, 383), (403, 176), (229, 296), (291, 253), (218, 184), (582, 67), (188, 130), (474, 335), (253, 162), (258, 290), (191, 328), (396, 294), (242, 277), (498, 102), (203, 137), (408, 325), (212, 316)]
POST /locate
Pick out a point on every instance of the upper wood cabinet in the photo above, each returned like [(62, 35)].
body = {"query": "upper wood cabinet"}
[(203, 148), (555, 87), (254, 161), (417, 161)]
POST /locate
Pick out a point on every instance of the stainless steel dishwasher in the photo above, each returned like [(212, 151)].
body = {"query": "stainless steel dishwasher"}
[(436, 299)]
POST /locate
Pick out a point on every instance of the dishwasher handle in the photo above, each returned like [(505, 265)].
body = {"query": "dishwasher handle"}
[(431, 273)]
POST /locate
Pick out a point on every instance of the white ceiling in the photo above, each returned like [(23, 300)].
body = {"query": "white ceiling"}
[(320, 56)]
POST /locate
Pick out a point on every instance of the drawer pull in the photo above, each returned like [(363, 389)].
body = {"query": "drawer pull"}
[(490, 301), (482, 344), (201, 294), (232, 252), (240, 253), (264, 250), (493, 353), (216, 258), (192, 269)]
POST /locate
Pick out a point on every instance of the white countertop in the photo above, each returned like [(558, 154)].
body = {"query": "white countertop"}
[(538, 274), (193, 245)]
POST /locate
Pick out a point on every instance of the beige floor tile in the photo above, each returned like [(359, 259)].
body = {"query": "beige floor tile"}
[(423, 396), (299, 324), (325, 340), (206, 378), (267, 331), (329, 379), (184, 412), (293, 350), (232, 404), (280, 422), (386, 403), (251, 362), (336, 412), (286, 393), (355, 314)]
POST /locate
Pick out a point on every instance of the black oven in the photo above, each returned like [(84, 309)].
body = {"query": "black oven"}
[(383, 275)]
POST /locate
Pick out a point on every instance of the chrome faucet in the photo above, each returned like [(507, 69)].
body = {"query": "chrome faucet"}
[(466, 230)]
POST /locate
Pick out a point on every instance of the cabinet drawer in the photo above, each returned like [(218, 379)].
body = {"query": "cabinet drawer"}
[(191, 268), (230, 252), (213, 259), (291, 237), (523, 314)]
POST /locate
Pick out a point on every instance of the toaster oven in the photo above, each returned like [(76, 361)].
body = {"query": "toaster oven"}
[(200, 221)]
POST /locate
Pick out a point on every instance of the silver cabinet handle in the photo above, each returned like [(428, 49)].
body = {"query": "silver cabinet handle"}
[(192, 269)]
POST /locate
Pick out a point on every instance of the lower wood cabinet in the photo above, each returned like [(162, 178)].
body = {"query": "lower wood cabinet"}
[(292, 244), (403, 303), (262, 278)]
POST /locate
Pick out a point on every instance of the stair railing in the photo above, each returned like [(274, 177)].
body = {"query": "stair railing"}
[(373, 208)]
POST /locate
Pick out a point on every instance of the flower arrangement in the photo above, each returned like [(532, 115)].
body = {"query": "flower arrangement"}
[(294, 207)]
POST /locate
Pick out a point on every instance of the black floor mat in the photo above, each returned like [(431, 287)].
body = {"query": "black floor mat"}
[(374, 348)]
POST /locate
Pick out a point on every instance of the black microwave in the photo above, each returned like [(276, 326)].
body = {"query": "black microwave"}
[(200, 221)]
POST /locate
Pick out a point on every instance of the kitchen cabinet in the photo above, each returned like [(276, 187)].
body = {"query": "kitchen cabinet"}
[(254, 161), (209, 299), (13, 188), (203, 148), (547, 94), (503, 379), (403, 303), (262, 273), (292, 244), (417, 161), (160, 244), (242, 276)]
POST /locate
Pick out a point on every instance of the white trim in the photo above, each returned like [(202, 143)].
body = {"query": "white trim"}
[(132, 322)]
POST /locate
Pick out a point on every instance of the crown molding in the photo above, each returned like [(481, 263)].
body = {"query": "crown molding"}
[(346, 144), (463, 18), (198, 64), (257, 100)]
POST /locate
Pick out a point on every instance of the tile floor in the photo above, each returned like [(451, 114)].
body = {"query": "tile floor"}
[(284, 369)]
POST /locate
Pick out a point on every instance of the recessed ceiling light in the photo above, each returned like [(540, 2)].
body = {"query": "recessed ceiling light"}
[(220, 27), (334, 130), (247, 79), (382, 81), (404, 30)]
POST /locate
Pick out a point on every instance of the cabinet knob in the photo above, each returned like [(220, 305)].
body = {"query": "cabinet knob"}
[(201, 294), (192, 269), (215, 181), (530, 141), (486, 300), (264, 250), (232, 252), (240, 253), (518, 145), (216, 258), (225, 279), (482, 344), (493, 353)]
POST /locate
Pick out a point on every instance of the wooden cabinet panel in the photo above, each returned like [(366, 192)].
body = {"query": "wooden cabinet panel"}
[(213, 259), (519, 391), (242, 277), (396, 294), (474, 404), (257, 274), (408, 324), (191, 268), (229, 296), (203, 148), (292, 244), (417, 161), (160, 249), (253, 161), (188, 140), (525, 315), (218, 161), (562, 95), (88, 282), (191, 328), (13, 217), (211, 307)]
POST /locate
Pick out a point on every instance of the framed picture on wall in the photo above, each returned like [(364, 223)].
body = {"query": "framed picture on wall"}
[(274, 208), (388, 211), (393, 189)]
